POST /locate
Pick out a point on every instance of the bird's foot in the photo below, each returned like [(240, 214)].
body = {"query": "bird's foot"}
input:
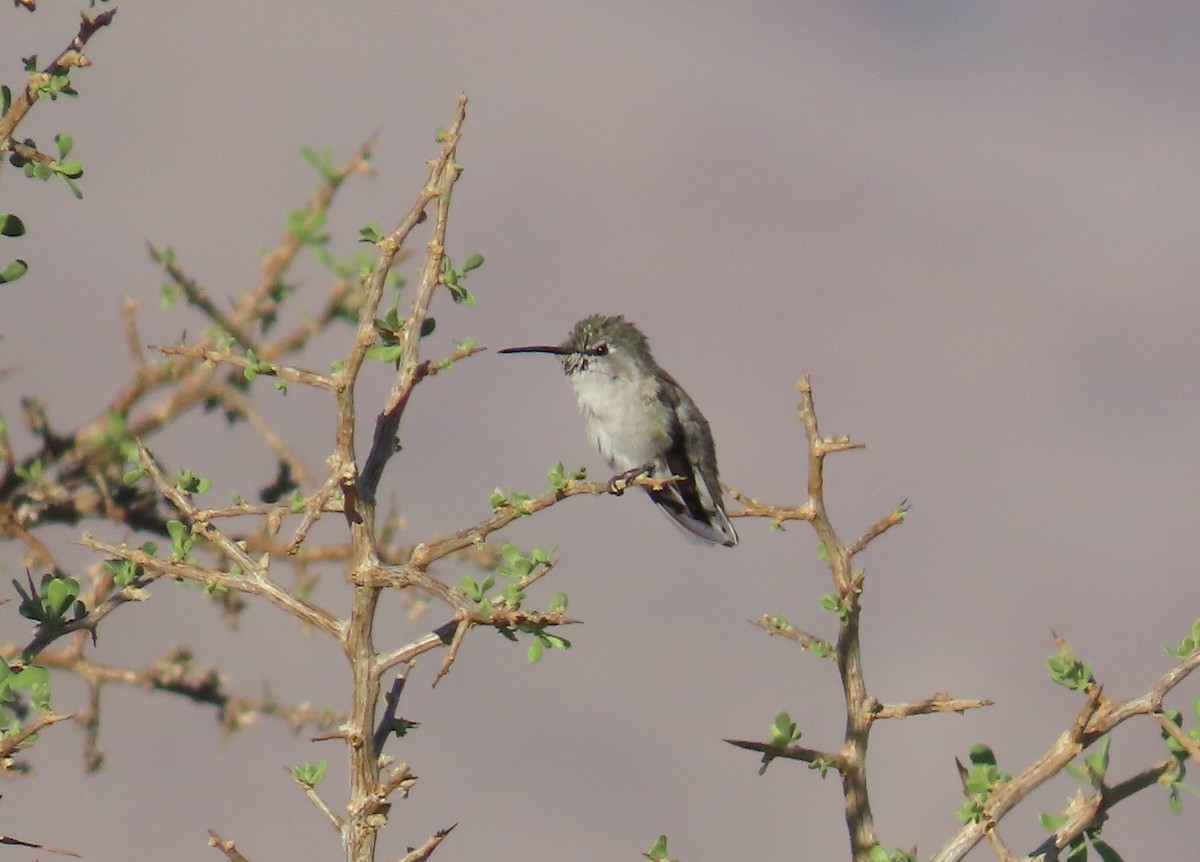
[(618, 483)]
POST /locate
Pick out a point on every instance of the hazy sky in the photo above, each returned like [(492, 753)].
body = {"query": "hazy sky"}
[(973, 224)]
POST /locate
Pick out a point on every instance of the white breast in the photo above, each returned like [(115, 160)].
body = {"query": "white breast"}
[(624, 418)]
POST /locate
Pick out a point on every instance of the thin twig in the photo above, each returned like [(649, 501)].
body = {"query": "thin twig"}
[(940, 702), (11, 743), (227, 847), (315, 798), (423, 852), (786, 630)]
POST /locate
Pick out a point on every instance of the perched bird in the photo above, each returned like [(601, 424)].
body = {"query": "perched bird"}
[(643, 422)]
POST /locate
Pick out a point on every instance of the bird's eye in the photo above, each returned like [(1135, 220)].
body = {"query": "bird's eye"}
[(602, 349)]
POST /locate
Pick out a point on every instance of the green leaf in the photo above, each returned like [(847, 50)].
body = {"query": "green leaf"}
[(13, 271), (124, 572), (58, 594), (982, 755), (558, 642), (658, 850), (309, 774), (513, 596), (370, 233), (65, 143), (535, 651), (181, 538), (473, 262), (37, 680), (1098, 762), (1105, 851), (1051, 822), (322, 161), (783, 731), (11, 225), (385, 352)]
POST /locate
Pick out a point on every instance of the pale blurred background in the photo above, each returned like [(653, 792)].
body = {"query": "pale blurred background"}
[(974, 225)]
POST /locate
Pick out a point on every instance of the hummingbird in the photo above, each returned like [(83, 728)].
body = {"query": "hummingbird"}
[(643, 422)]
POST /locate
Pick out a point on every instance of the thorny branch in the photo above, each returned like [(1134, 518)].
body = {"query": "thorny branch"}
[(1098, 717)]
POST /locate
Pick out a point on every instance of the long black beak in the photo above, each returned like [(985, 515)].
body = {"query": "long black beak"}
[(537, 348), (556, 349)]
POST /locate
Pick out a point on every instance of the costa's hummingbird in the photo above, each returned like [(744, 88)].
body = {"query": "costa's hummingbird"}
[(643, 422)]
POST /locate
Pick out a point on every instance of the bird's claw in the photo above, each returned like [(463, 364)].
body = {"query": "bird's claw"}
[(618, 483)]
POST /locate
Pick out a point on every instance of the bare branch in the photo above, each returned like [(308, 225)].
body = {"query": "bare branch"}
[(227, 847), (314, 797), (940, 702), (420, 854), (896, 516), (460, 632), (792, 751)]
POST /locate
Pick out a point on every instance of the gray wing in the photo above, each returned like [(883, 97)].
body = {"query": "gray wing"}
[(695, 503)]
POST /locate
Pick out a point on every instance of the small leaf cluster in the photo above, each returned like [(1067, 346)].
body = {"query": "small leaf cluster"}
[(837, 606), (783, 732), (516, 568), (1188, 645), (31, 678), (1174, 780), (541, 640), (42, 168), (49, 603), (113, 439), (1067, 670), (43, 84), (307, 226), (980, 780), (508, 500), (189, 483), (182, 541), (879, 854), (127, 572), (256, 366), (309, 774), (32, 473), (453, 278), (389, 327), (560, 476)]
